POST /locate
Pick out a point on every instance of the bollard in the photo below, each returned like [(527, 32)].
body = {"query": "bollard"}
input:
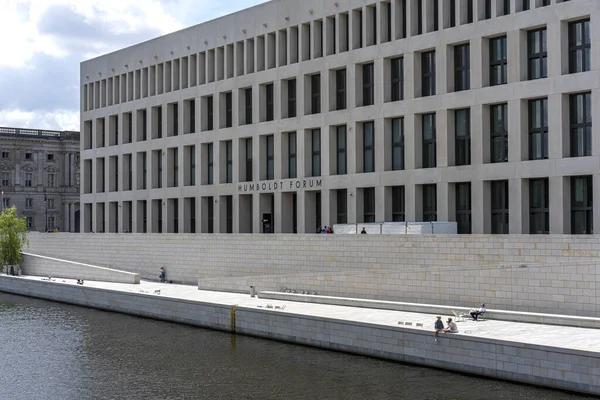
[(252, 291)]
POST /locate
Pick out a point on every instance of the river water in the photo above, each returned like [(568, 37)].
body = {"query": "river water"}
[(56, 351)]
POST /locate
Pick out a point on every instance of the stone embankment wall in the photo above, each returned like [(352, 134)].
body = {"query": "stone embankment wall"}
[(539, 365), (546, 273)]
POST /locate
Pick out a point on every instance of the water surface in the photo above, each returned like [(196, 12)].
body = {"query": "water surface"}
[(57, 351)]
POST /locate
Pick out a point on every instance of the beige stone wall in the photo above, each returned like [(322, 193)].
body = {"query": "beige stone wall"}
[(36, 265), (561, 276)]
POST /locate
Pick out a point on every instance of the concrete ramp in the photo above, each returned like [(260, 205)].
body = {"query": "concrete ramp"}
[(36, 265)]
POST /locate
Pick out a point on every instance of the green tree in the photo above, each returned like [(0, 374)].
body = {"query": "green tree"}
[(13, 236)]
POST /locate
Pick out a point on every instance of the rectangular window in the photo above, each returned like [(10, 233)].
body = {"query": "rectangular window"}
[(342, 206), (158, 123), (50, 157), (291, 98), (28, 156), (249, 160), (341, 149), (470, 11), (398, 204), (419, 17), (270, 101), (582, 205), (526, 5), (368, 71), (452, 13), (28, 179), (498, 61), (5, 155), (436, 15), (538, 129), (175, 120), (292, 163), (581, 124), (340, 89), (316, 152), (463, 207), (51, 204), (315, 94), (270, 157), (487, 5), (369, 204), (397, 75), (209, 113), (51, 180), (462, 67), (29, 222), (397, 144), (429, 203), (5, 178), (144, 170), (462, 130), (369, 147), (537, 54), (428, 73), (248, 105), (580, 46), (192, 118), (5, 203), (539, 211), (499, 193), (228, 110), (192, 165), (229, 212), (505, 7), (499, 133), (210, 214), (229, 161), (209, 163), (28, 203), (429, 141)]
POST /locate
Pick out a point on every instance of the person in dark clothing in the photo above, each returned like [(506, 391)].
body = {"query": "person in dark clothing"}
[(439, 325), (476, 313), (364, 231), (163, 275)]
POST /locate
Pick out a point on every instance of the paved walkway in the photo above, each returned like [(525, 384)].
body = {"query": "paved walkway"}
[(546, 335)]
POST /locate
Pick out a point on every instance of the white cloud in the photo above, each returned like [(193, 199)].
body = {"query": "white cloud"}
[(43, 41), (20, 20), (67, 120)]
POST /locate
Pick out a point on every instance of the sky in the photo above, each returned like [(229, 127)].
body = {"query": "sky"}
[(42, 43)]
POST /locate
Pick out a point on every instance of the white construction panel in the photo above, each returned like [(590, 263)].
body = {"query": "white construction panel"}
[(419, 228), (393, 228), (444, 228), (372, 229), (344, 229)]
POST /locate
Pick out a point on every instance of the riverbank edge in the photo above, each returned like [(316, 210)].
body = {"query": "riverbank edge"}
[(557, 368)]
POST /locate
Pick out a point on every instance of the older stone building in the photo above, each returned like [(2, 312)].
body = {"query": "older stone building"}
[(294, 114), (39, 171)]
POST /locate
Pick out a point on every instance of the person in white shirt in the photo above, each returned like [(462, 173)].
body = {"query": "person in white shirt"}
[(476, 313), (452, 327)]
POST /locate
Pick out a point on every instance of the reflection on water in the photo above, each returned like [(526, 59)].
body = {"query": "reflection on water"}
[(57, 351)]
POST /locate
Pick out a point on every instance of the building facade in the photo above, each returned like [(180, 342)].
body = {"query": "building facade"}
[(295, 114), (39, 171)]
